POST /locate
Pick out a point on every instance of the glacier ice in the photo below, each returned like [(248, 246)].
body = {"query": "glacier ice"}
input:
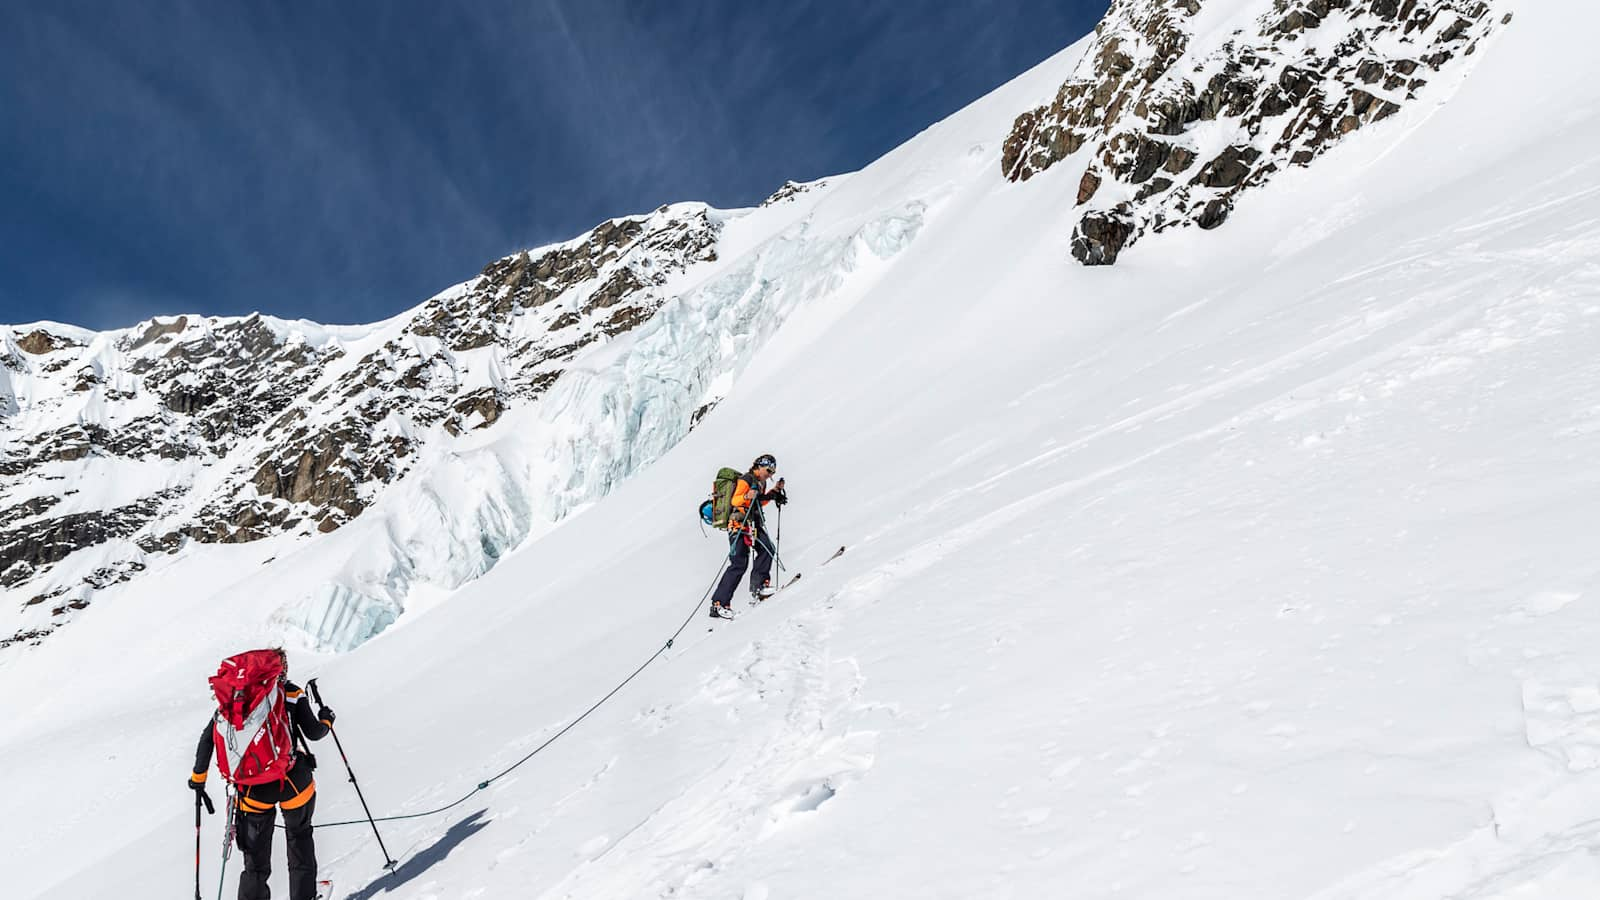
[(616, 410)]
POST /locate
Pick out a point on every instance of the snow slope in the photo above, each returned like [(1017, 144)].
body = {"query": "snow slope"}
[(1260, 565)]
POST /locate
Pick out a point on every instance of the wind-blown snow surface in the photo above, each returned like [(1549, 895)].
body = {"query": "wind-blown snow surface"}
[(1259, 566)]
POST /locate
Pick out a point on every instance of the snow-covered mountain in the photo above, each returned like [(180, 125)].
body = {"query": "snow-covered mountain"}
[(190, 429), (1260, 564), (130, 445)]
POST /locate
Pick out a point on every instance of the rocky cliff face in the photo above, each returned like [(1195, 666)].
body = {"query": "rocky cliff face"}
[(119, 447), (1176, 109)]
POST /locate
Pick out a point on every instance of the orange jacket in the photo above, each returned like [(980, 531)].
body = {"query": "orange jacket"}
[(746, 491)]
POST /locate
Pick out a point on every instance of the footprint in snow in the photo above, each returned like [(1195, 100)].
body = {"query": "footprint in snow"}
[(813, 798), (1541, 604), (1066, 768), (1563, 721)]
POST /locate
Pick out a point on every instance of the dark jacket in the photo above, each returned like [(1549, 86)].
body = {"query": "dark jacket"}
[(298, 786)]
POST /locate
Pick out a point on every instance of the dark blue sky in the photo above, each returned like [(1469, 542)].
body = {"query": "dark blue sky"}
[(342, 161)]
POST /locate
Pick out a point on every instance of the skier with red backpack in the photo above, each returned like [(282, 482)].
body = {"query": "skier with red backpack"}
[(258, 736), (737, 502)]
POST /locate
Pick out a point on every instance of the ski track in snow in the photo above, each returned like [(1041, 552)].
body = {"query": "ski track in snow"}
[(773, 774)]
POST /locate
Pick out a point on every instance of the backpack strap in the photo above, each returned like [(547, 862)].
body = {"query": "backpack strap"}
[(302, 747)]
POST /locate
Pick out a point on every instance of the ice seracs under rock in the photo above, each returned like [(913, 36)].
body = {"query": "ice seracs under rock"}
[(229, 430), (578, 364), (612, 413)]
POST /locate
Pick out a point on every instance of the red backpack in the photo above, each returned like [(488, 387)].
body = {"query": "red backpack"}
[(251, 727)]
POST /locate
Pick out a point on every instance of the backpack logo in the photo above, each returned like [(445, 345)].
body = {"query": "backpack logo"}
[(251, 727)]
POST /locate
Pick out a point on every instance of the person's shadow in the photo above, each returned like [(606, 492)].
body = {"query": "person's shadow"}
[(425, 858)]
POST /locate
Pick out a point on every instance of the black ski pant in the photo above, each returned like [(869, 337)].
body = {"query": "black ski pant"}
[(255, 839), (738, 559)]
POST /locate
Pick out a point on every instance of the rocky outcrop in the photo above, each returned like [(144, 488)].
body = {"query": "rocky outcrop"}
[(1144, 112), (39, 342), (26, 550), (299, 427), (791, 190)]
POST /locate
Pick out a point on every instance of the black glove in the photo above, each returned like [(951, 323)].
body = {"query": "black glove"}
[(326, 716), (780, 498), (199, 787)]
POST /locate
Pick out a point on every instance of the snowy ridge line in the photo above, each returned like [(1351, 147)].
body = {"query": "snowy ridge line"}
[(199, 432)]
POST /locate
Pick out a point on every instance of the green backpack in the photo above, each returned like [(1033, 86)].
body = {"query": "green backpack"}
[(721, 501)]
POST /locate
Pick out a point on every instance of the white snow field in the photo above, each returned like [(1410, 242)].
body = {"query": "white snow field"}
[(1265, 564)]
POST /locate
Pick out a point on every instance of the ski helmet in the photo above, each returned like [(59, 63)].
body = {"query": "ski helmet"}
[(765, 460)]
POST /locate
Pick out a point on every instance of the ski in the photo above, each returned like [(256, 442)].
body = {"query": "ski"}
[(325, 889), (757, 601), (754, 601), (796, 577)]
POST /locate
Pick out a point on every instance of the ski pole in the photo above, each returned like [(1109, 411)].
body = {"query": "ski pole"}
[(777, 551), (387, 862), (198, 796)]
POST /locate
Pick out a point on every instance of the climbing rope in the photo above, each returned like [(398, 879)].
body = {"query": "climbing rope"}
[(229, 799), (553, 738)]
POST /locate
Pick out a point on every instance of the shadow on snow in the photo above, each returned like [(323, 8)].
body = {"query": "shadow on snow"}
[(425, 859)]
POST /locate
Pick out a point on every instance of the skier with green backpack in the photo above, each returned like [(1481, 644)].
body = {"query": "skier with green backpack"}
[(736, 504)]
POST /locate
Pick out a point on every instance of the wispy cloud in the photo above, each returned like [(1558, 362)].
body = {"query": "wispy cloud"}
[(343, 161)]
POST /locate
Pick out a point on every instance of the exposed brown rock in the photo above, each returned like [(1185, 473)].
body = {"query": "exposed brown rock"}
[(186, 401), (39, 342), (789, 191), (701, 413), (158, 330), (1087, 185), (313, 474), (1100, 236), (621, 284), (26, 549), (27, 636), (45, 597), (1215, 213), (484, 403), (1289, 99), (1229, 168), (1180, 159), (33, 506)]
